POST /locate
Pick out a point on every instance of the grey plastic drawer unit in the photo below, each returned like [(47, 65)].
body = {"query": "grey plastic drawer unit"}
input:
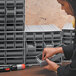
[(12, 20)]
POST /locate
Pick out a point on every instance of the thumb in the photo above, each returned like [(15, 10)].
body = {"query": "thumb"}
[(49, 62)]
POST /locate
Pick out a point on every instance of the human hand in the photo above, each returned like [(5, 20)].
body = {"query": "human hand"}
[(51, 65), (48, 52)]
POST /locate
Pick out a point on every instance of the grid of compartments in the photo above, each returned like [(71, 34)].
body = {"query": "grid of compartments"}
[(68, 36), (38, 37), (12, 16)]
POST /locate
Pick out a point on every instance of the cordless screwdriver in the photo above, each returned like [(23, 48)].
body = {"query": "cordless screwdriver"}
[(7, 68)]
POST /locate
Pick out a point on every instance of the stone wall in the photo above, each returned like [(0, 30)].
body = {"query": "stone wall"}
[(44, 12)]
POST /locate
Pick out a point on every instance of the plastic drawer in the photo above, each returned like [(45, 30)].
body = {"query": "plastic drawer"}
[(9, 54), (19, 27), (38, 36), (9, 12), (2, 53), (2, 11), (20, 11), (73, 33), (9, 16), (2, 44), (10, 36), (19, 36), (19, 5), (15, 52), (20, 16), (2, 2), (32, 54), (29, 36), (47, 43), (19, 44), (2, 27), (39, 43), (67, 41), (2, 21), (2, 16), (2, 61), (39, 50), (20, 1), (19, 21), (2, 36), (10, 27), (10, 6), (30, 57), (15, 61), (67, 33), (10, 1), (56, 36), (2, 6), (10, 44), (30, 49), (48, 37), (31, 60), (10, 21)]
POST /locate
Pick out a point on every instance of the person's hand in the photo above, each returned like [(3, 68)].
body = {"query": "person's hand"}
[(51, 65), (48, 52)]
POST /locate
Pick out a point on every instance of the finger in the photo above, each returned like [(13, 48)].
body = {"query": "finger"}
[(46, 67), (49, 62), (43, 55)]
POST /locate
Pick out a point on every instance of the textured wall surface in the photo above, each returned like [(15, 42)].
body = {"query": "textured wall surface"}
[(44, 12)]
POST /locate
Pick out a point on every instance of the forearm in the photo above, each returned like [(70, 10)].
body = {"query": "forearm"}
[(59, 50)]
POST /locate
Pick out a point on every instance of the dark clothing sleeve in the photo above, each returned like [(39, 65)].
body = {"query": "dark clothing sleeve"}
[(70, 69), (66, 71), (68, 51)]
